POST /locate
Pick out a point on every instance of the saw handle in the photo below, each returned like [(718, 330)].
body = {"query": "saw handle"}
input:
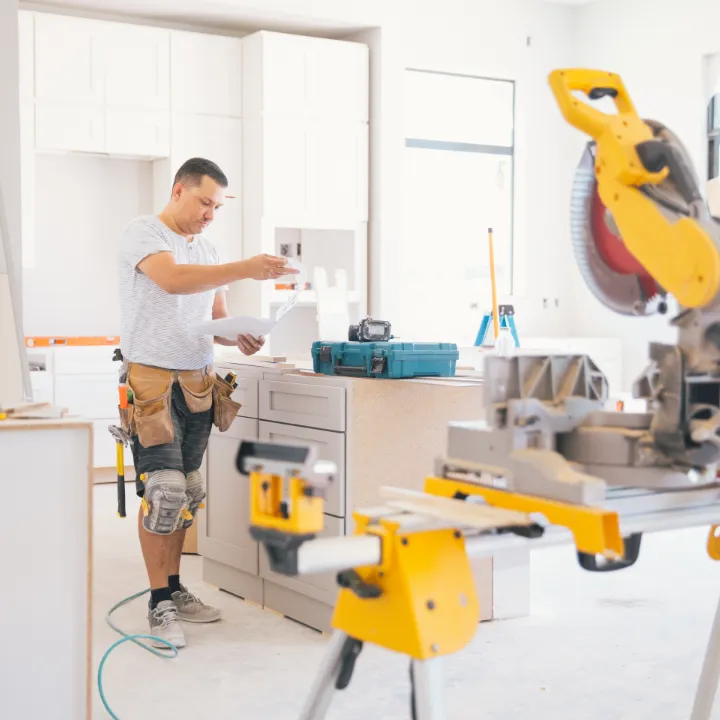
[(595, 84)]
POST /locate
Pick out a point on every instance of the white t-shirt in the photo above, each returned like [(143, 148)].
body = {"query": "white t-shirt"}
[(155, 326)]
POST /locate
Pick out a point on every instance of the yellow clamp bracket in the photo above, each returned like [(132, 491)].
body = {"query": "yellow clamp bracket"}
[(713, 542), (300, 513), (595, 531), (426, 606)]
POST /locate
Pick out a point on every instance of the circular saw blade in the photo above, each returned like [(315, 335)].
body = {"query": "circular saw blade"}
[(611, 272)]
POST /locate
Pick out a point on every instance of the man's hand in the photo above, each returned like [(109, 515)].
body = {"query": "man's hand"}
[(268, 267), (249, 345)]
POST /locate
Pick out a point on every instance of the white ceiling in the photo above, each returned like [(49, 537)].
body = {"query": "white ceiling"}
[(212, 14), (244, 15)]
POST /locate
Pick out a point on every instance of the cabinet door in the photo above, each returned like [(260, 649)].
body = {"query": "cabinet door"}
[(227, 513), (60, 127), (139, 133), (336, 171), (283, 74), (337, 80), (284, 170), (218, 139), (137, 66), (207, 74), (68, 60), (323, 586), (27, 183), (330, 447)]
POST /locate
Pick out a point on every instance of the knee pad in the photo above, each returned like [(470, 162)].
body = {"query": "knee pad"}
[(195, 494), (164, 501)]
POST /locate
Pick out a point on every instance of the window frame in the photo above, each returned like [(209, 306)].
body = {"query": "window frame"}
[(479, 148)]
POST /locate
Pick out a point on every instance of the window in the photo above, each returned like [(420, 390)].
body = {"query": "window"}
[(458, 183)]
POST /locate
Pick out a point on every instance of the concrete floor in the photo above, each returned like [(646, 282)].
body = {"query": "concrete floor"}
[(621, 646)]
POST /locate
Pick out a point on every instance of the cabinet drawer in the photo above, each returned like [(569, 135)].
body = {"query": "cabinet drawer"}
[(330, 446), (241, 429), (316, 406), (323, 586)]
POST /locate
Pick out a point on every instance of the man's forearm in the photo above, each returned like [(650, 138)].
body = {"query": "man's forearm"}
[(191, 279)]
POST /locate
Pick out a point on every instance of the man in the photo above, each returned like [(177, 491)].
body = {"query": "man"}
[(171, 279)]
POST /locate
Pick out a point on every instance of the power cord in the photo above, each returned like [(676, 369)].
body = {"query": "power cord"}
[(131, 638)]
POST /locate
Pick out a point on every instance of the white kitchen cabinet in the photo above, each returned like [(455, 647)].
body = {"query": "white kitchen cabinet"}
[(314, 173), (69, 60), (136, 64), (206, 76), (27, 182), (144, 133), (218, 139), (283, 169), (69, 127), (336, 173), (304, 76)]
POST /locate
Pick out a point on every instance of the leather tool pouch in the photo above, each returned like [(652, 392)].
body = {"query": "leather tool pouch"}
[(197, 388), (151, 388), (225, 409)]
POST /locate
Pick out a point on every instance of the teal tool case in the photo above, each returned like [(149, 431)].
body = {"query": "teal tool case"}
[(385, 359)]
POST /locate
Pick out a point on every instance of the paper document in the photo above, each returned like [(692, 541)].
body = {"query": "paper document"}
[(231, 327)]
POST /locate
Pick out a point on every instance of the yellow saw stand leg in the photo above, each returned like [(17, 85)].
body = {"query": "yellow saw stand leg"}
[(419, 601)]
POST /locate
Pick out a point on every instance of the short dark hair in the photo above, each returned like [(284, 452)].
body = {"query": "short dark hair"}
[(192, 171)]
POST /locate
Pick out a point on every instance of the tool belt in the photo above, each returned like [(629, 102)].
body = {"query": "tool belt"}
[(148, 415)]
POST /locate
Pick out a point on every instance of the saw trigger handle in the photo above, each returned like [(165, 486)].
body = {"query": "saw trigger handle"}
[(657, 155), (594, 84)]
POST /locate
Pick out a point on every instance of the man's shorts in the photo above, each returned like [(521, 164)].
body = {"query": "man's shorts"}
[(170, 418), (185, 451)]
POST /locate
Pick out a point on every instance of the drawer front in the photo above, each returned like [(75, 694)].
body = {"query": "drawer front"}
[(315, 406), (330, 446), (323, 586), (90, 396)]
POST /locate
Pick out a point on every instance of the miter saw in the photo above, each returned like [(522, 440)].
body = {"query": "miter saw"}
[(548, 459)]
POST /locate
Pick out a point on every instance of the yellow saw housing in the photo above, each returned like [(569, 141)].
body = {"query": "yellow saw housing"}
[(679, 253)]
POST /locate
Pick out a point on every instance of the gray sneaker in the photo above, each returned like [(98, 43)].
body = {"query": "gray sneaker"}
[(164, 624), (191, 609)]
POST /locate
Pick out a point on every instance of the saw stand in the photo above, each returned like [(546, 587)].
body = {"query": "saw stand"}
[(710, 674), (426, 681)]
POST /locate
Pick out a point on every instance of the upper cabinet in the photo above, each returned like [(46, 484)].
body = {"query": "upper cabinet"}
[(206, 74), (136, 64), (305, 110), (304, 76), (68, 60), (101, 86)]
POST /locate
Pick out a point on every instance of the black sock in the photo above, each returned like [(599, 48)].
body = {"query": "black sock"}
[(158, 595), (174, 583)]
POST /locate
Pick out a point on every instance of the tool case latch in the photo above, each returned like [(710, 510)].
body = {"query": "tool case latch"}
[(325, 353), (377, 364)]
